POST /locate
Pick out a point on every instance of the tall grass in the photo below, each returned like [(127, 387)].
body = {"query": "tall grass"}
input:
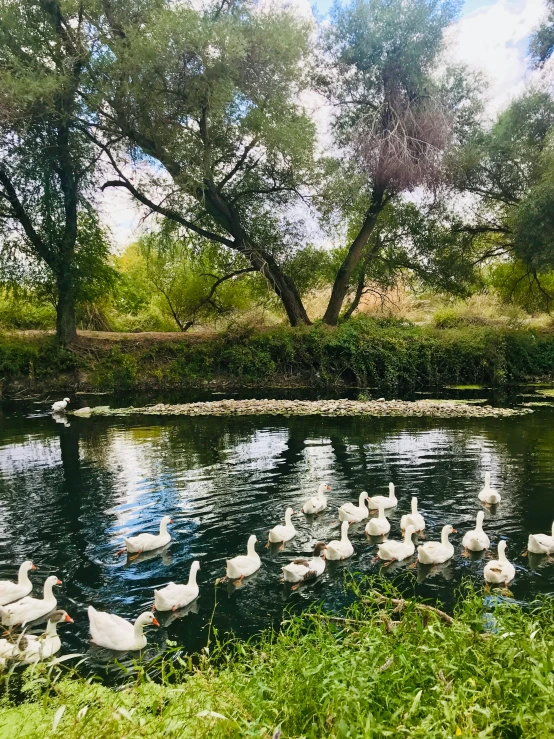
[(380, 670)]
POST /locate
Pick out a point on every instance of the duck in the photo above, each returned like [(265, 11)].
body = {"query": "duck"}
[(300, 570), (113, 632), (340, 549), (10, 591), (476, 540), (175, 596), (29, 609), (317, 502), (389, 501), (397, 550), (541, 543), (488, 495), (437, 552), (379, 526), (245, 564), (149, 542), (414, 518), (282, 533), (354, 513), (500, 571), (30, 648), (60, 405)]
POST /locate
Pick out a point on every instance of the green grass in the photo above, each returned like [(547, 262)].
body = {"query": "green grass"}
[(364, 351), (364, 676)]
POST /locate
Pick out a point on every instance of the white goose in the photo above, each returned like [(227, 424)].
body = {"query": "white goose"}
[(379, 526), (389, 501), (476, 540), (282, 533), (175, 596), (500, 571), (436, 552), (149, 542), (340, 549), (301, 570), (489, 495), (29, 609), (414, 518), (113, 632), (397, 550), (245, 564), (30, 648), (354, 513), (10, 591), (60, 405), (318, 502), (541, 543)]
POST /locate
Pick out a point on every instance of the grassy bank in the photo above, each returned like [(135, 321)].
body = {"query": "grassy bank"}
[(364, 351), (380, 671)]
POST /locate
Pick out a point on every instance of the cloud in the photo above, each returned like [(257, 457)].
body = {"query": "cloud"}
[(494, 40)]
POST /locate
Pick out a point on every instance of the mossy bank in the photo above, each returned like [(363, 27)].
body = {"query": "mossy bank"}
[(385, 668), (365, 352)]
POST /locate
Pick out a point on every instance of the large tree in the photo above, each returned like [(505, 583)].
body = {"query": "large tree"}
[(208, 99), (45, 160), (395, 117), (542, 41)]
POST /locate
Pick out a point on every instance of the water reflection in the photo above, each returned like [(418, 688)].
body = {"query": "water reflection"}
[(68, 494)]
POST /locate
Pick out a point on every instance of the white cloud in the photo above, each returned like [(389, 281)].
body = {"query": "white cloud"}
[(494, 40)]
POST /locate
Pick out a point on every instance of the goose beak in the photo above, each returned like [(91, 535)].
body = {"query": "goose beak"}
[(33, 567), (68, 619), (155, 622), (454, 531), (328, 487), (170, 520), (58, 582)]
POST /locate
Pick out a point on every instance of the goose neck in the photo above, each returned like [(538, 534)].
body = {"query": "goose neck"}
[(23, 576), (444, 536), (414, 506), (502, 554), (163, 527), (192, 575), (288, 518), (48, 590), (381, 511), (487, 480), (51, 628), (553, 529), (251, 548), (361, 500), (408, 535), (344, 531), (140, 624), (391, 490)]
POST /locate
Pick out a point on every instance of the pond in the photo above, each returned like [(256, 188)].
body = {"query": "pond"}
[(69, 493)]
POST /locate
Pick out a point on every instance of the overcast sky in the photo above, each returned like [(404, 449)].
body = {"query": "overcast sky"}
[(491, 36)]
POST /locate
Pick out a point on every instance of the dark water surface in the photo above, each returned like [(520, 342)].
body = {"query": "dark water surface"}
[(69, 493)]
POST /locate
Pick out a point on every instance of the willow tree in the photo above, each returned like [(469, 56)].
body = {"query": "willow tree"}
[(208, 100), (394, 118), (45, 159)]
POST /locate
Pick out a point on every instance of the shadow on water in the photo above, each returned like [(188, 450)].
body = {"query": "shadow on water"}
[(69, 493)]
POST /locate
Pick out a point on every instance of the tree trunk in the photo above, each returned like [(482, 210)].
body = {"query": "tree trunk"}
[(66, 330), (357, 296), (342, 280)]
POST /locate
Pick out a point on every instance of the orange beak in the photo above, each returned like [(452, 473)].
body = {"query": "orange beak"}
[(155, 622), (58, 582), (454, 531), (328, 487), (33, 567), (69, 619), (170, 520)]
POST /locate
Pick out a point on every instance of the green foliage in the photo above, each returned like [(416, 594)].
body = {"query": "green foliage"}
[(386, 353), (542, 41), (488, 673)]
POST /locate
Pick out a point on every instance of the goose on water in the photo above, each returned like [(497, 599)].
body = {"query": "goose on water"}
[(389, 501), (379, 526), (149, 542), (175, 596), (113, 632), (437, 552), (476, 540), (414, 518), (10, 591), (541, 543), (354, 513), (244, 565), (301, 570), (340, 548), (282, 533), (499, 571), (29, 609), (397, 550), (30, 648), (60, 405), (317, 502), (488, 495)]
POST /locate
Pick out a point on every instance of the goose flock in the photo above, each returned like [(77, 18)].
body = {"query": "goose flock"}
[(19, 609)]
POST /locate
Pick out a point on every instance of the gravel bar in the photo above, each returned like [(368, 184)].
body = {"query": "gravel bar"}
[(432, 408)]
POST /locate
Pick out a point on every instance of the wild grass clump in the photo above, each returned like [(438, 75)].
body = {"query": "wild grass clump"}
[(386, 668)]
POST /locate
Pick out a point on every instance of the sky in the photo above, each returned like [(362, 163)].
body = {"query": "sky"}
[(491, 36)]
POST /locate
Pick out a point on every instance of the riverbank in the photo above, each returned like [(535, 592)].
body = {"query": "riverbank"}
[(363, 352), (342, 407), (386, 668)]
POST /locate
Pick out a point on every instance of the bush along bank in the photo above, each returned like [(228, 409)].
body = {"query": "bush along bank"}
[(388, 667), (363, 351)]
